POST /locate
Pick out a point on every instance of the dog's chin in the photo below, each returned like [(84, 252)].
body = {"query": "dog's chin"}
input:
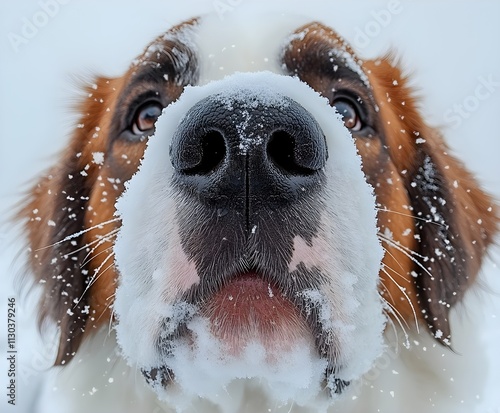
[(251, 334), (249, 330), (250, 309)]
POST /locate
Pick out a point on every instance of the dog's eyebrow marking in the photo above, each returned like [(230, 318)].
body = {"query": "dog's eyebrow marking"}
[(171, 57), (350, 62), (175, 62), (319, 48)]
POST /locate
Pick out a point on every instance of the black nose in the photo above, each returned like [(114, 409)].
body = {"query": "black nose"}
[(244, 152)]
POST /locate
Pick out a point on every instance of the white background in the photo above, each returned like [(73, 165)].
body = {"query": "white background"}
[(448, 46)]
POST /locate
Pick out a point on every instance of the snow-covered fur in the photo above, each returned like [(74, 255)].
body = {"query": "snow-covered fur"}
[(424, 377), (288, 236)]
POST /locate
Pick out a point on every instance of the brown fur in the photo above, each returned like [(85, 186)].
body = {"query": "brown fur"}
[(461, 228)]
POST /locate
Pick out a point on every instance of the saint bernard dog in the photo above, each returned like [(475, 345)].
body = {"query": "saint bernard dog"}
[(253, 219)]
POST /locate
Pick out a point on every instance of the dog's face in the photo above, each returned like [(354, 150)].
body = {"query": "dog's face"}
[(251, 220)]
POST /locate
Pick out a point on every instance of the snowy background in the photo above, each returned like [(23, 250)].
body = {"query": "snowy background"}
[(449, 46)]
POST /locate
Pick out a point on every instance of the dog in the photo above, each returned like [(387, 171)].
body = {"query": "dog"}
[(252, 246)]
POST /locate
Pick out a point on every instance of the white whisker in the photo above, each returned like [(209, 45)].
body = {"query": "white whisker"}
[(97, 274), (394, 242), (426, 220), (397, 316), (99, 241), (387, 290), (77, 234), (408, 253), (88, 244), (393, 270), (96, 255), (389, 319), (111, 301), (403, 291)]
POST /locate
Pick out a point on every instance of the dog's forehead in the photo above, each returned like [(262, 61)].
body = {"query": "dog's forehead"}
[(246, 43), (207, 48)]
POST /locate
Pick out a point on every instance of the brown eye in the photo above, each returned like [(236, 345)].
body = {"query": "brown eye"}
[(145, 118), (349, 114)]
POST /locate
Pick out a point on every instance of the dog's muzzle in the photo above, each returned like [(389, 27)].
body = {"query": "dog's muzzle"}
[(249, 222)]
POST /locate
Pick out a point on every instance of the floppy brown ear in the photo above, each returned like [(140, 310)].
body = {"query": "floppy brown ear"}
[(54, 217), (455, 220)]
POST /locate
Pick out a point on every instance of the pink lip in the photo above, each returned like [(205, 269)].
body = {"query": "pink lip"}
[(251, 309)]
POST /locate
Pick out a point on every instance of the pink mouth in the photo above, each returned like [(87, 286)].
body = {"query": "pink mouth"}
[(250, 309)]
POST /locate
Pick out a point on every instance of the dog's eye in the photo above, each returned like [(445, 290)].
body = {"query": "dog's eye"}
[(349, 114), (145, 118)]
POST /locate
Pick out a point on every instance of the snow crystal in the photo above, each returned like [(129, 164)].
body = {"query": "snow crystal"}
[(98, 158)]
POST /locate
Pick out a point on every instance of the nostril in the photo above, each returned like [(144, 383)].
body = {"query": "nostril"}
[(213, 151), (281, 150), (209, 137)]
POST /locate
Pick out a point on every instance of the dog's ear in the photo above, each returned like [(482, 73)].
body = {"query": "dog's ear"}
[(455, 223), (455, 220), (54, 215)]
